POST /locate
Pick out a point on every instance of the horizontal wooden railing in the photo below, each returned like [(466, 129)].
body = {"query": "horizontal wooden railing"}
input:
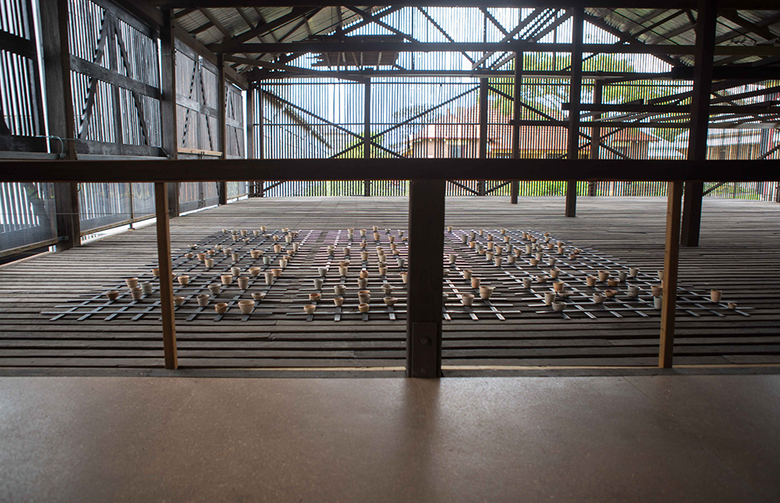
[(388, 169), (426, 214)]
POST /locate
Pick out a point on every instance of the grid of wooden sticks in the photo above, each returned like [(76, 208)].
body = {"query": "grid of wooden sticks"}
[(289, 293)]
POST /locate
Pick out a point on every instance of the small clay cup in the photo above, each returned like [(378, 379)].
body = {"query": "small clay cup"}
[(246, 306), (221, 307), (203, 299), (112, 294)]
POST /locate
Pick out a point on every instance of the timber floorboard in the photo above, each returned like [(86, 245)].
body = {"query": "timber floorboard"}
[(739, 254)]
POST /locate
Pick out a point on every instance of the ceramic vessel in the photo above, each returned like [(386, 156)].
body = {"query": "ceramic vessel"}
[(201, 256), (732, 305), (246, 306), (317, 283), (147, 288), (183, 279), (527, 282), (112, 294), (656, 290), (715, 295), (554, 273), (209, 263), (243, 282), (467, 299), (156, 272), (234, 256), (256, 253), (235, 271), (338, 301), (179, 301), (266, 259), (269, 278), (276, 272), (610, 293), (404, 277), (534, 261), (486, 291), (558, 286), (633, 271), (255, 271), (215, 288), (591, 281), (362, 283), (322, 271), (598, 298), (226, 279), (390, 301), (258, 296), (475, 282), (603, 275), (511, 259), (131, 282), (203, 299), (633, 291), (315, 296), (549, 297), (339, 290), (364, 296), (612, 282), (558, 306), (658, 302)]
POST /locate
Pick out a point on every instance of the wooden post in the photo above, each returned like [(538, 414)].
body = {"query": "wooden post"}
[(367, 131), (595, 132), (249, 148), (56, 63), (426, 247), (483, 129), (221, 97), (514, 185), (260, 137), (671, 255), (168, 120), (166, 275), (575, 89), (700, 115)]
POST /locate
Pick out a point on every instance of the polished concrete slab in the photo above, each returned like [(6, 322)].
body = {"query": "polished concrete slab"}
[(661, 438)]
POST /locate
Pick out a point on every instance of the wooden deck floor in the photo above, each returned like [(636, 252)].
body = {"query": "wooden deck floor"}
[(739, 253)]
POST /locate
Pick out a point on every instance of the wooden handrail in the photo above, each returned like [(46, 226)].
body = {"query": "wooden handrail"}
[(196, 170)]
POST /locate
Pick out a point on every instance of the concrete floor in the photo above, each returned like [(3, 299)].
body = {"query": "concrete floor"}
[(667, 438)]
